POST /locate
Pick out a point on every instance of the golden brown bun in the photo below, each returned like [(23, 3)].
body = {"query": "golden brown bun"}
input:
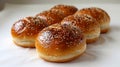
[(51, 16), (60, 43), (89, 26), (25, 31), (100, 15), (66, 9)]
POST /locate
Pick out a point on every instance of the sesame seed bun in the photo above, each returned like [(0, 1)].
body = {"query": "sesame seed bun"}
[(60, 43), (65, 9), (100, 15), (25, 31), (51, 16), (89, 26)]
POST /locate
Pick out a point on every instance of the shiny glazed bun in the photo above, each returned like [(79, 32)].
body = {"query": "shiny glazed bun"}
[(89, 26), (51, 16), (100, 15), (66, 9), (60, 43), (25, 31)]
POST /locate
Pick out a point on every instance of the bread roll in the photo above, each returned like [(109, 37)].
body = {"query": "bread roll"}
[(89, 26), (25, 31), (51, 16), (60, 43), (100, 15), (65, 9)]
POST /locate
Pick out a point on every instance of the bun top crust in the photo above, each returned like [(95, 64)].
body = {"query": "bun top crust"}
[(85, 22), (99, 14), (28, 27), (51, 16), (66, 9), (60, 37)]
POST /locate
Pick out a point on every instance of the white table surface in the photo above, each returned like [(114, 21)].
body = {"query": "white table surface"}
[(104, 53)]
